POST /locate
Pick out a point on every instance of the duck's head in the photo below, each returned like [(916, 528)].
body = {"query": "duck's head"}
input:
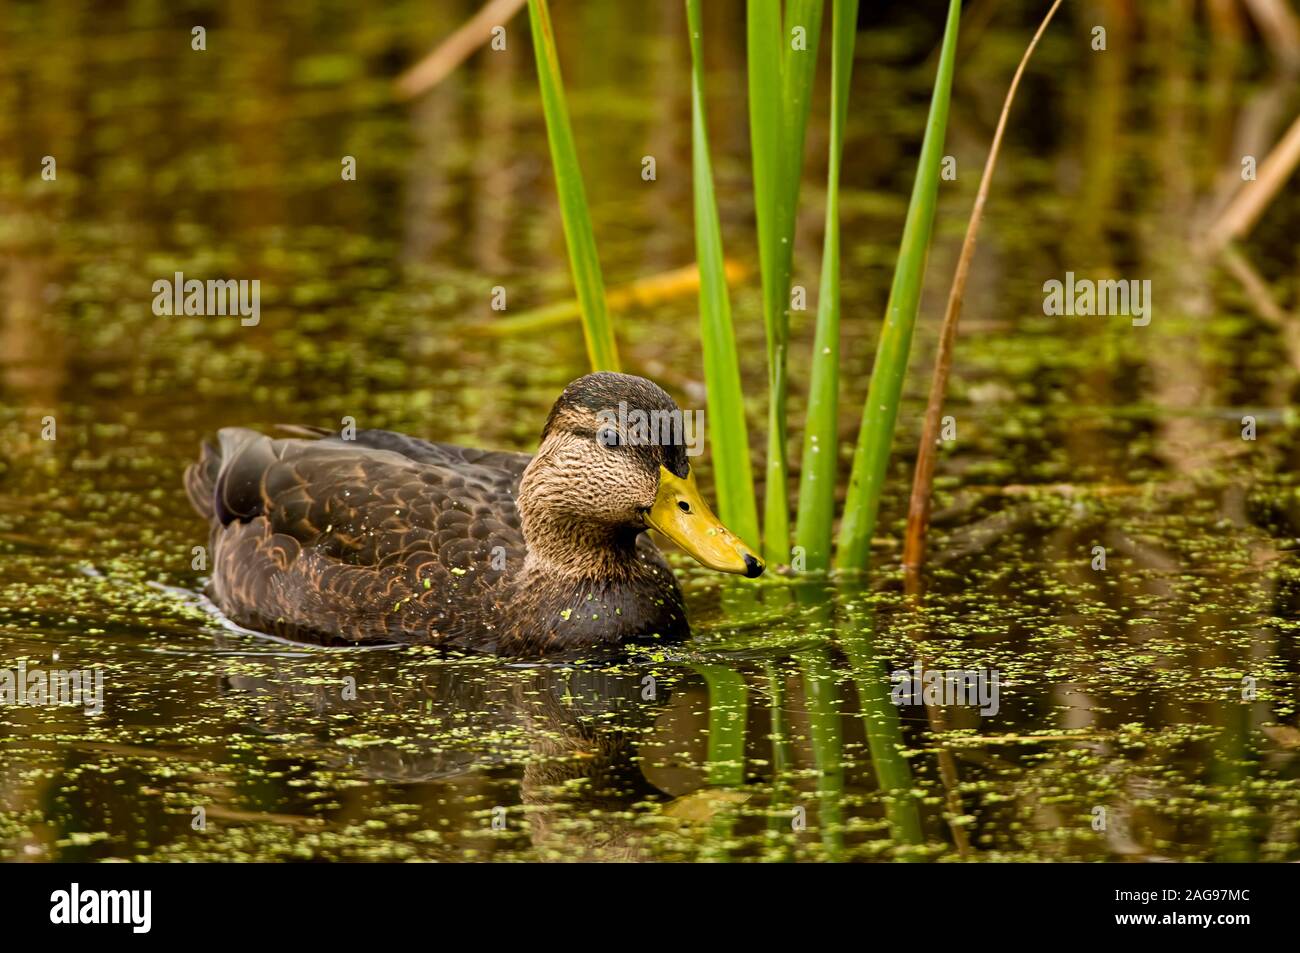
[(613, 462)]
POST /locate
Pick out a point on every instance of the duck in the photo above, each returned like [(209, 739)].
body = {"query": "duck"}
[(368, 536)]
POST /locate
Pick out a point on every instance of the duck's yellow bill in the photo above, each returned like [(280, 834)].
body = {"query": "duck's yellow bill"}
[(681, 514)]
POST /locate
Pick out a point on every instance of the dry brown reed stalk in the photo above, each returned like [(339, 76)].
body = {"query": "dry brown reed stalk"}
[(1253, 197), (1280, 28), (454, 50), (918, 516)]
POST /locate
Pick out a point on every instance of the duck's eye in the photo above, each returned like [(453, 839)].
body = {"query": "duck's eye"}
[(608, 437)]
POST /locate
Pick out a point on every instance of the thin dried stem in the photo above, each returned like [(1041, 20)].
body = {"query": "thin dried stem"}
[(1262, 300), (1256, 288), (1280, 28), (454, 50), (918, 516), (1254, 197)]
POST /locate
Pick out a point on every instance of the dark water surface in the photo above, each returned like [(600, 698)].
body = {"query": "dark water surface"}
[(1158, 694)]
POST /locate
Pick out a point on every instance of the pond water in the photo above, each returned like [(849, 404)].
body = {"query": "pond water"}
[(1145, 710)]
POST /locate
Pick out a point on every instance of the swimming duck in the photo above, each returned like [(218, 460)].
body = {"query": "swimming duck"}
[(377, 536)]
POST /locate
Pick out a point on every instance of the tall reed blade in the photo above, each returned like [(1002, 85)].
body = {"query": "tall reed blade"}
[(728, 435), (876, 434), (578, 233), (821, 431), (781, 70), (763, 41), (803, 27)]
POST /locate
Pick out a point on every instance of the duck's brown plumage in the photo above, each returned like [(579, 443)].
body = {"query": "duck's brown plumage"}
[(387, 537)]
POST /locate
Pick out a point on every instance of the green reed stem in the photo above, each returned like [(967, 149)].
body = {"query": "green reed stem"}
[(578, 232), (879, 414), (728, 436), (781, 69), (816, 514)]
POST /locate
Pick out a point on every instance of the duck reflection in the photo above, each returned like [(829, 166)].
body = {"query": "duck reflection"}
[(496, 750), (615, 760)]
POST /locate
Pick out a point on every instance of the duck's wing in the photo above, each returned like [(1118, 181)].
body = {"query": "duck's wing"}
[(424, 451), (381, 536)]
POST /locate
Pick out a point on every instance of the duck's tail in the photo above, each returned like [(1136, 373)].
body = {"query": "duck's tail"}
[(204, 479), (201, 480)]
